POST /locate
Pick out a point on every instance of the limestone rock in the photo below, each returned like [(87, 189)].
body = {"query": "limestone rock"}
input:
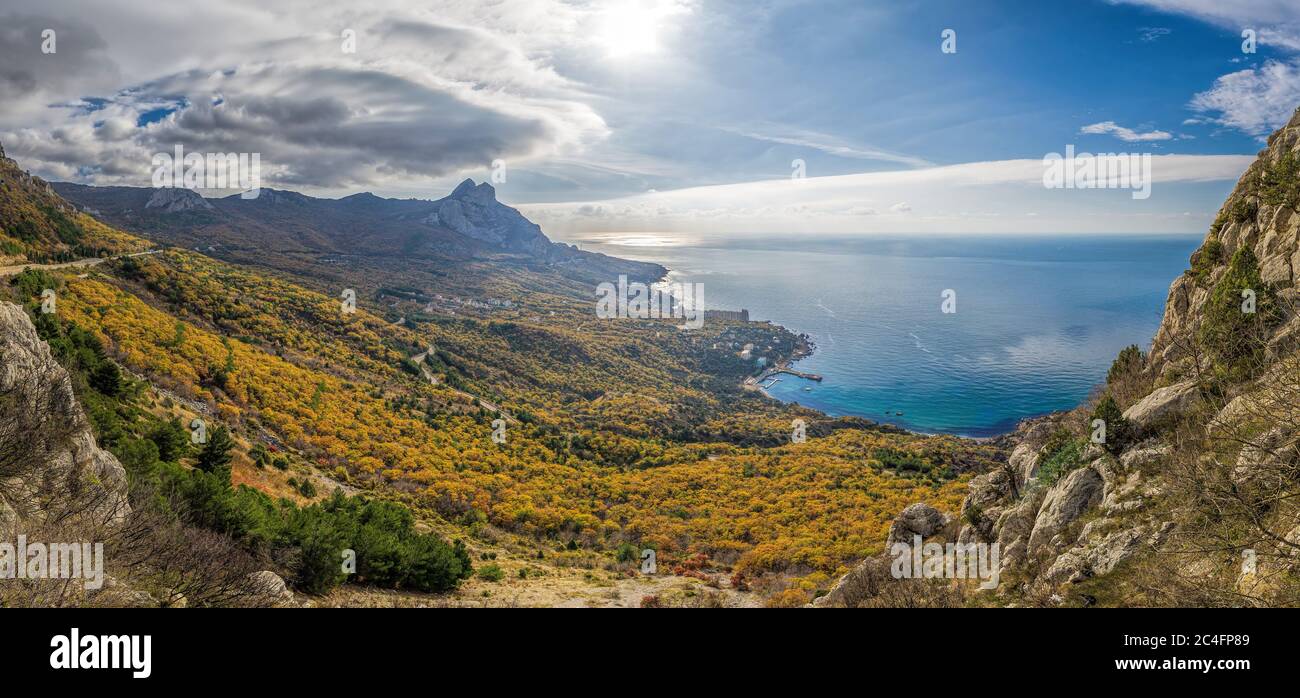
[(472, 210), (917, 519), (1015, 525), (988, 489), (176, 200), (1024, 461), (1162, 404), (1263, 458), (1098, 559), (1142, 457), (1064, 503), (50, 465), (270, 589)]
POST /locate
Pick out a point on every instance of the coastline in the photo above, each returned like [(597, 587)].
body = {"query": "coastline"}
[(806, 349), (937, 398)]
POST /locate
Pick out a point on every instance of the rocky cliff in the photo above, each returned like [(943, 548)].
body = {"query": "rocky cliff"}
[(473, 211), (1260, 215), (172, 200), (1184, 495), (50, 466), (58, 486)]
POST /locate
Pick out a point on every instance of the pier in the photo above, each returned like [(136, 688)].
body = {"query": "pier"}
[(786, 370)]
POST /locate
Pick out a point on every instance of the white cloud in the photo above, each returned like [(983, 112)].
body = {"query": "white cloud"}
[(1256, 100), (1150, 34), (1125, 134), (426, 95), (971, 197), (830, 145), (1277, 21)]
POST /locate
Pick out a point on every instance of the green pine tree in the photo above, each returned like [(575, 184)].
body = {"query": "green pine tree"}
[(215, 455), (1233, 332), (107, 379), (1119, 431)]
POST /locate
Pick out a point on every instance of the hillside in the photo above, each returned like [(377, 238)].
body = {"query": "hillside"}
[(622, 435), (1189, 496), (294, 232), (39, 226)]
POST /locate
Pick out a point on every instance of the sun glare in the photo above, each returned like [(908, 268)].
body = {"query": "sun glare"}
[(626, 28)]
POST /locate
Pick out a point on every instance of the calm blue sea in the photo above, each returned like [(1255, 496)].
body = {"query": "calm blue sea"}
[(1038, 319)]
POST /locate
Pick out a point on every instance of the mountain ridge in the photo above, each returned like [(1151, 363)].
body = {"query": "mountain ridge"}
[(278, 227)]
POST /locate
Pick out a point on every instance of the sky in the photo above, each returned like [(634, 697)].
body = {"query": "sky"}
[(685, 117)]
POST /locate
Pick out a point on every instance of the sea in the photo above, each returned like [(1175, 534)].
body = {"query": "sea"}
[(952, 334)]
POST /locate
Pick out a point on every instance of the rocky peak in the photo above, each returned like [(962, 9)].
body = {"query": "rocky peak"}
[(473, 211), (482, 194), (176, 200)]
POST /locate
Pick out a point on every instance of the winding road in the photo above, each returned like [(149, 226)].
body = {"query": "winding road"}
[(88, 262)]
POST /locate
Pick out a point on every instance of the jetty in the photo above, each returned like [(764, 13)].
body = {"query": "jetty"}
[(781, 368), (799, 374)]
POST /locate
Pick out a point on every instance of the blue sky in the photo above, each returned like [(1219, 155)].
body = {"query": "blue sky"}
[(1026, 77), (673, 116)]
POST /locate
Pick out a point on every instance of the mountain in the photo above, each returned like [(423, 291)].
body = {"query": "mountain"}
[(37, 225), (472, 210), (379, 428), (1174, 486), (1177, 484), (283, 228)]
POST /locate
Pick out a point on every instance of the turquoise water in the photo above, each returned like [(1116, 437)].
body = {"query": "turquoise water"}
[(1037, 323)]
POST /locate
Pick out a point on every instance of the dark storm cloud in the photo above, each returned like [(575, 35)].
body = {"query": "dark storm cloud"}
[(415, 101), (334, 126), (26, 72)]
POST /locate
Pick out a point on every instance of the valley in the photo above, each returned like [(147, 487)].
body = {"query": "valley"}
[(378, 432), (623, 434)]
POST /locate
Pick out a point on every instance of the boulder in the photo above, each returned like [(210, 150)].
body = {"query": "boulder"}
[(1014, 526), (270, 589), (1142, 457), (917, 519), (1122, 495), (1262, 460), (1095, 559), (1024, 461), (1064, 503), (860, 583), (1162, 404), (988, 489), (119, 595)]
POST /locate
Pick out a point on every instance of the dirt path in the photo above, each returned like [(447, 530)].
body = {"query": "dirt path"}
[(435, 379), (88, 262)]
